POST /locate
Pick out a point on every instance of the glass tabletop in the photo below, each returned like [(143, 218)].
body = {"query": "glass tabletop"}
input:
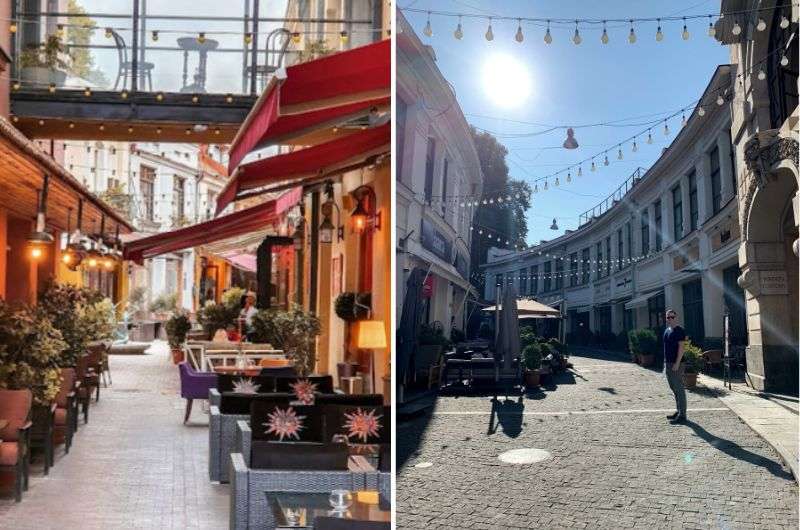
[(298, 510)]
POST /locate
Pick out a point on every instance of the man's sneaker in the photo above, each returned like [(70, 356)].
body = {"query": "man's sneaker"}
[(672, 416), (679, 420)]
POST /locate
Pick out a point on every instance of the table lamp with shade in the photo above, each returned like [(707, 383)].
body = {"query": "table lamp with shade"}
[(371, 335)]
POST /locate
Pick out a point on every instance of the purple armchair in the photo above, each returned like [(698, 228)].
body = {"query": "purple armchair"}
[(195, 385)]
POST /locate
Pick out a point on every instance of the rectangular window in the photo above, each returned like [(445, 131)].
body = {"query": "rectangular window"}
[(657, 219), (430, 158), (716, 182), (400, 119), (548, 267), (534, 279), (585, 258), (693, 210), (733, 162), (559, 273), (573, 269), (147, 183), (598, 272), (608, 256), (179, 194), (444, 186), (677, 213), (620, 250), (629, 240), (645, 216), (523, 281)]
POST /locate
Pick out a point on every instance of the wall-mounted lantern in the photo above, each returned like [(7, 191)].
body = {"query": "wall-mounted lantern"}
[(40, 238), (365, 217), (327, 228)]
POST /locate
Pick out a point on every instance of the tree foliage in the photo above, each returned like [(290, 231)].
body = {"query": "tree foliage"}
[(79, 32)]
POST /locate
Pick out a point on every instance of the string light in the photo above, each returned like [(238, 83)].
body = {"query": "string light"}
[(16, 85), (195, 98), (428, 31), (761, 74), (761, 26), (784, 22), (13, 27), (489, 33), (519, 37), (109, 33), (632, 35), (102, 127), (155, 35), (685, 34), (711, 29), (123, 94), (737, 29), (87, 92), (619, 153), (580, 171), (569, 177), (548, 38), (720, 100), (576, 38), (604, 37), (683, 120), (343, 37), (52, 88), (666, 128), (594, 167), (458, 33), (296, 37), (60, 30), (545, 185), (248, 38), (701, 111), (201, 37), (635, 147), (605, 159), (160, 96), (784, 60), (659, 33), (649, 137)]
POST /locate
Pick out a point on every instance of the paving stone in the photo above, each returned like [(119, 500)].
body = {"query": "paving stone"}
[(616, 461)]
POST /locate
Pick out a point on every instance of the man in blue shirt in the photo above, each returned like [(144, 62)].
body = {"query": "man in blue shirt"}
[(674, 338)]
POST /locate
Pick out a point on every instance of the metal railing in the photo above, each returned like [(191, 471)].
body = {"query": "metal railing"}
[(138, 50), (615, 197)]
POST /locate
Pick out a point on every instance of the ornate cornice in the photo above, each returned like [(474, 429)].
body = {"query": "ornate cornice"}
[(764, 150)]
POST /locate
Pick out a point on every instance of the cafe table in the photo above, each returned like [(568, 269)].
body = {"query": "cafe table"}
[(299, 510)]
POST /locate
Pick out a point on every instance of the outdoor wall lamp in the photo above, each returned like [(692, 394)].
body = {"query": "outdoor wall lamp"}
[(361, 218), (39, 239), (299, 235), (327, 228)]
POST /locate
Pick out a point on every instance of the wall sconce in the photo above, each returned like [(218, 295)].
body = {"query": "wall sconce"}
[(299, 235), (39, 239), (361, 218), (327, 228)]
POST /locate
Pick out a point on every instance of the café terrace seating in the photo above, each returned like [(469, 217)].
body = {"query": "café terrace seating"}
[(15, 411), (290, 449)]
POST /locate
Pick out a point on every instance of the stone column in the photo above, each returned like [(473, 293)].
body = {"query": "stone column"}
[(725, 166), (687, 221)]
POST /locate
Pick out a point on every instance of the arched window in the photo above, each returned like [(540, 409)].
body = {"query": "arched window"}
[(782, 79)]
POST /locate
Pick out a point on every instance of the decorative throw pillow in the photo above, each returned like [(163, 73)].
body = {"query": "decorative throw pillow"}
[(363, 425), (304, 390), (245, 385), (284, 423)]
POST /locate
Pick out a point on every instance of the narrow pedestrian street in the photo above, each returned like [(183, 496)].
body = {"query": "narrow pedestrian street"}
[(134, 465), (615, 460)]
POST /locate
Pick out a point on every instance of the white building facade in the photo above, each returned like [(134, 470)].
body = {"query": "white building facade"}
[(436, 165), (669, 240)]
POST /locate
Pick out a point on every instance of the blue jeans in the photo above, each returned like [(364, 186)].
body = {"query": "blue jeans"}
[(675, 380)]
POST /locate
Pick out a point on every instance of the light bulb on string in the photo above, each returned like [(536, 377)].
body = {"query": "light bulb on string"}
[(428, 31), (683, 120), (556, 182), (344, 37), (248, 38), (761, 74), (659, 33), (784, 22), (605, 159), (632, 34), (576, 38), (737, 29), (155, 35), (604, 36), (519, 37), (109, 33), (720, 100), (701, 111), (569, 177), (458, 33), (649, 137), (593, 168), (12, 27), (711, 29), (489, 33), (545, 184), (784, 60), (762, 25), (685, 33), (201, 38), (619, 153), (580, 171), (666, 128), (548, 38), (535, 188), (634, 147)]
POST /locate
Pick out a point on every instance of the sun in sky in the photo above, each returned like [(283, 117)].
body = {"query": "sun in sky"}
[(506, 80)]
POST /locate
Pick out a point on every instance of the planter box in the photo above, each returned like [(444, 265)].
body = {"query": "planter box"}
[(689, 380), (531, 378)]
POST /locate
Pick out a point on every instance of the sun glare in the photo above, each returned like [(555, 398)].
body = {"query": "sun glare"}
[(506, 81)]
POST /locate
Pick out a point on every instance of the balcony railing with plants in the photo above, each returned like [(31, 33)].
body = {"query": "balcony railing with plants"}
[(153, 47)]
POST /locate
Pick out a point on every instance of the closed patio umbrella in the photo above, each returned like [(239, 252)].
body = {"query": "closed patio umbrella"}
[(408, 328), (507, 343)]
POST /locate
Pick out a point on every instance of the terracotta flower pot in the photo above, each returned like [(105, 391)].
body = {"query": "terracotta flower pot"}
[(646, 359), (177, 355), (689, 380), (531, 378)]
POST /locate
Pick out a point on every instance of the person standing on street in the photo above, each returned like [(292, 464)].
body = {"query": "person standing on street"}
[(674, 338)]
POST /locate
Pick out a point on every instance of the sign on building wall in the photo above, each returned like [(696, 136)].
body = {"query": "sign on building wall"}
[(773, 282), (435, 241)]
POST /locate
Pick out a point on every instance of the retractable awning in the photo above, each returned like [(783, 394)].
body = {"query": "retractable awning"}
[(237, 223), (641, 301), (317, 161), (314, 95)]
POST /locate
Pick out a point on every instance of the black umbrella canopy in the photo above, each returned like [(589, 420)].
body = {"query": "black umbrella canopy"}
[(408, 328)]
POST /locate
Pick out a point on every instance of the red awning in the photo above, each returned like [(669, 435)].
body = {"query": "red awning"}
[(237, 223), (316, 94), (318, 160)]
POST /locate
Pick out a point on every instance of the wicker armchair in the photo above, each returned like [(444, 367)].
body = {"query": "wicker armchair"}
[(66, 409), (15, 407)]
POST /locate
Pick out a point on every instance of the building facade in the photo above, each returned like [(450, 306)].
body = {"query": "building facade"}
[(764, 127), (670, 239), (436, 164)]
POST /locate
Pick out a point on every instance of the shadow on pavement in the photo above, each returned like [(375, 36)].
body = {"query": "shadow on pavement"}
[(736, 451), (508, 414)]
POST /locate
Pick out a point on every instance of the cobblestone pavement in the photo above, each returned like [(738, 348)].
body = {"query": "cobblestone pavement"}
[(134, 466), (616, 461)]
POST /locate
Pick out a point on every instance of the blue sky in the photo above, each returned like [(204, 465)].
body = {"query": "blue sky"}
[(571, 85)]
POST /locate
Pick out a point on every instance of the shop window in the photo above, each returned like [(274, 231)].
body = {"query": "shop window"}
[(548, 267), (782, 80), (585, 258), (534, 279), (573, 269)]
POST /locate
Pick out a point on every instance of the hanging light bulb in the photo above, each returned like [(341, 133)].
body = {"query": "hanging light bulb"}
[(784, 60), (160, 96), (556, 182), (593, 168), (569, 177), (720, 100), (428, 31), (666, 128), (201, 37), (649, 137), (570, 142), (87, 92), (296, 37), (635, 147), (548, 38), (701, 111), (248, 38), (761, 74), (124, 94), (619, 153), (659, 33), (51, 88), (155, 35), (784, 22), (761, 26), (60, 30), (554, 226), (711, 29), (545, 185), (580, 171), (489, 33), (576, 38), (109, 33), (605, 159), (685, 33), (519, 37), (344, 37), (535, 188), (632, 35), (604, 36), (102, 127), (737, 29), (683, 120), (458, 33), (12, 27)]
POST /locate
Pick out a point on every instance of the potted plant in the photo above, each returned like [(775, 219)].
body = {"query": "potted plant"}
[(692, 361), (163, 305), (532, 356), (294, 331), (178, 327), (351, 307), (61, 304), (643, 342), (43, 64)]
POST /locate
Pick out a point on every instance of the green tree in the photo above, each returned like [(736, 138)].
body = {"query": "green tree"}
[(506, 219), (80, 32)]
